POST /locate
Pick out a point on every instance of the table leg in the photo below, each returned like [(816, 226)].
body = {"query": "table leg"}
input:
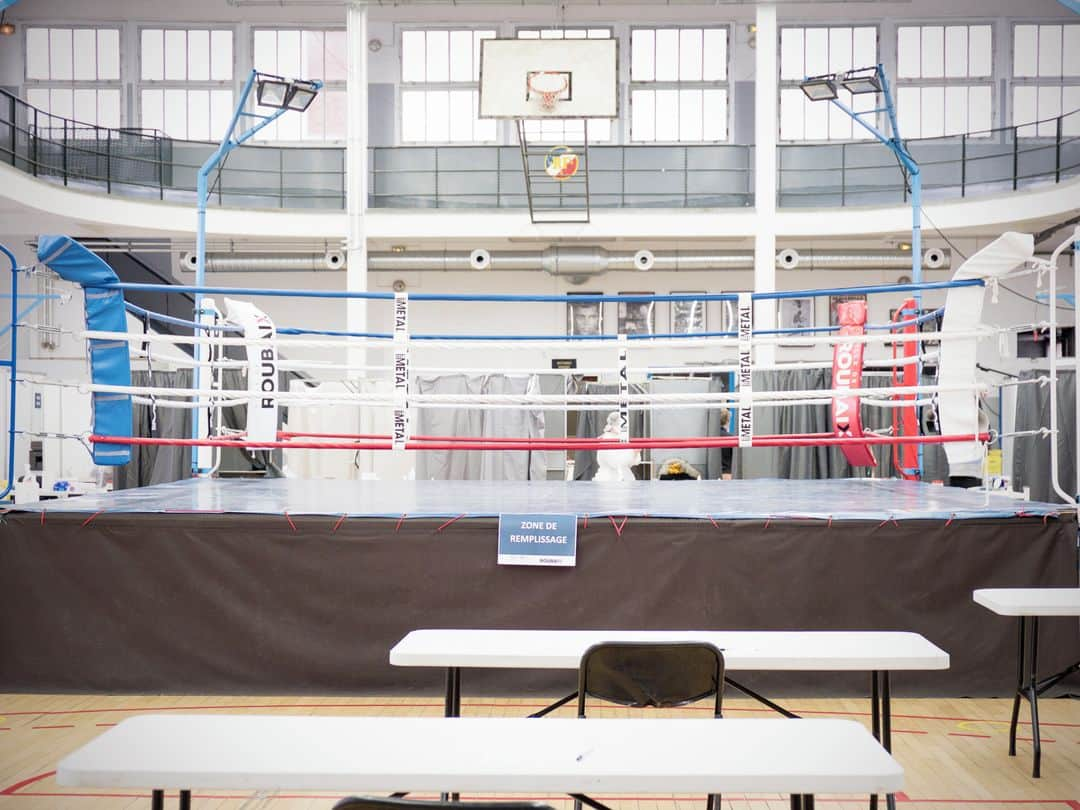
[(875, 719), (452, 702), (886, 726), (157, 800), (881, 722), (1021, 651), (452, 708), (185, 800)]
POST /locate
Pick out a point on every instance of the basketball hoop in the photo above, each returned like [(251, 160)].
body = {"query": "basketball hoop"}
[(547, 84)]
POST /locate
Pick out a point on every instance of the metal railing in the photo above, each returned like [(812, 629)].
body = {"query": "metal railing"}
[(145, 163)]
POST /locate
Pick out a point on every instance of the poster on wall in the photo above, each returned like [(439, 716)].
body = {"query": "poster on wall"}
[(637, 317), (586, 317), (688, 317)]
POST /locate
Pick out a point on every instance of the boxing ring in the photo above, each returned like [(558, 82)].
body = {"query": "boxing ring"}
[(213, 585)]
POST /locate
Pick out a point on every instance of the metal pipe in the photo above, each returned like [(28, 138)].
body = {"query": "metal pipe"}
[(1054, 428), (289, 262), (12, 392), (573, 262)]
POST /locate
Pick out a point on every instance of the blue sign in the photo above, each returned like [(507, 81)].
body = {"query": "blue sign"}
[(538, 540)]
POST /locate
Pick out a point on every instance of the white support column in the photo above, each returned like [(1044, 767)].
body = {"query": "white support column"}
[(765, 127), (356, 172)]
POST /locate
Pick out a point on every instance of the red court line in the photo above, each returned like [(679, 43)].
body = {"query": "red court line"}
[(69, 725), (10, 789), (486, 705), (901, 798)]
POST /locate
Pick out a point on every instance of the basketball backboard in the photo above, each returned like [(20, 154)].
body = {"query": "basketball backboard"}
[(549, 78)]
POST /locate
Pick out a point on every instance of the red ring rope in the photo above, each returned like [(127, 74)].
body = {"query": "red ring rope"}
[(471, 443)]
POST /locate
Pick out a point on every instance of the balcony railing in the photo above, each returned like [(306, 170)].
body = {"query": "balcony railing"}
[(144, 163)]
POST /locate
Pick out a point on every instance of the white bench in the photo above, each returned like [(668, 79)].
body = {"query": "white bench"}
[(489, 755)]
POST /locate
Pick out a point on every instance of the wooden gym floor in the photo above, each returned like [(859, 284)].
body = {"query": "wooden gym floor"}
[(954, 752)]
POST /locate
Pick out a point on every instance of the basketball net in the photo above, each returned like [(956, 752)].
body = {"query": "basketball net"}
[(549, 96)]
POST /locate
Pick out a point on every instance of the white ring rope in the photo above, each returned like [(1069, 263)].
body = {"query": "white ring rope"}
[(495, 406), (286, 341), (718, 398), (689, 368)]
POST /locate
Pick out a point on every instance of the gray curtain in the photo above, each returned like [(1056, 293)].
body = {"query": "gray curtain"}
[(808, 462), (1031, 454), (474, 465), (591, 424), (157, 464)]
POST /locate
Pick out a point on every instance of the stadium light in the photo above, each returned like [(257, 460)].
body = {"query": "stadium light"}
[(819, 88), (285, 94)]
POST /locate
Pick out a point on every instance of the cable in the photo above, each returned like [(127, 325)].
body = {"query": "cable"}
[(964, 257), (1064, 307), (937, 230)]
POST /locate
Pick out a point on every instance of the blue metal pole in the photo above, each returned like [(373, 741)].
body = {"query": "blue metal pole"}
[(12, 370), (228, 143), (202, 192)]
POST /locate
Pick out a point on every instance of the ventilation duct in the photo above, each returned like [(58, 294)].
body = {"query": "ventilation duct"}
[(792, 259), (574, 263), (286, 262)]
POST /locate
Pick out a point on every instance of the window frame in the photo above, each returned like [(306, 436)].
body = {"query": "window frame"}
[(334, 85), (139, 84), (677, 84), (73, 84), (1036, 82), (401, 86), (788, 84), (945, 81)]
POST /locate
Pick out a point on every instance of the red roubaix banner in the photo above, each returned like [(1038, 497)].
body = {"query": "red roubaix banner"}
[(846, 375)]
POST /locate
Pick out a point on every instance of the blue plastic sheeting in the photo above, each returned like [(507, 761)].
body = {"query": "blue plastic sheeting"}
[(850, 499), (110, 360)]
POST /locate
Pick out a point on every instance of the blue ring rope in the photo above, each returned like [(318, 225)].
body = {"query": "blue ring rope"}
[(559, 299), (135, 309)]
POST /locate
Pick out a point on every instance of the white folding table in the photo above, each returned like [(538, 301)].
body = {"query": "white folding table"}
[(1028, 604), (496, 755), (876, 652)]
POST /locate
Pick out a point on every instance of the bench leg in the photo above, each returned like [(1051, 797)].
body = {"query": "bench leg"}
[(157, 800), (185, 800)]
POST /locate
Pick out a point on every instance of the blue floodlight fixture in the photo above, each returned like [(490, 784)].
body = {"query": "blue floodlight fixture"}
[(819, 88), (285, 94), (861, 80)]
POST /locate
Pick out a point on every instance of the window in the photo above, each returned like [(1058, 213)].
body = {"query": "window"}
[(678, 84), (75, 73), (563, 130), (186, 82), (1046, 78), (813, 52), (440, 71), (306, 54), (944, 80)]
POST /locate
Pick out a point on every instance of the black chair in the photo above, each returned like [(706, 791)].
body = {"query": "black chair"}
[(394, 803), (657, 674)]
